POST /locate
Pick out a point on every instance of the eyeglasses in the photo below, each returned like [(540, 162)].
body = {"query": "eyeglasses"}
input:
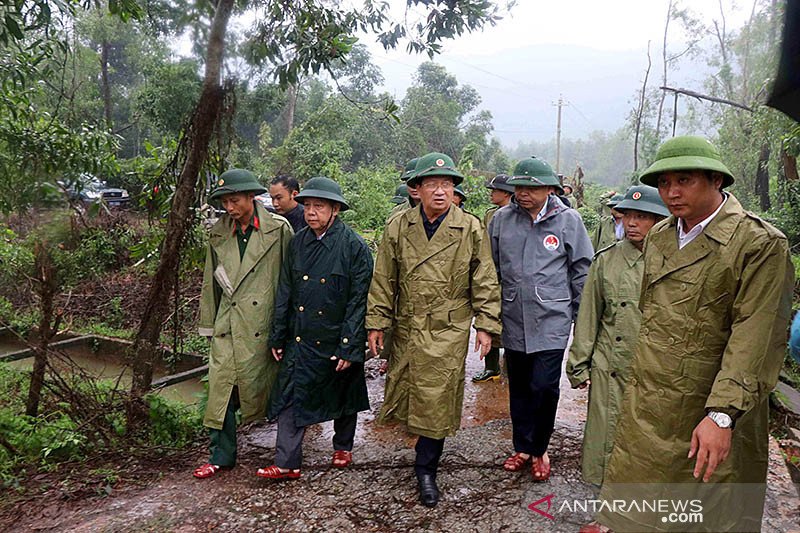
[(433, 185)]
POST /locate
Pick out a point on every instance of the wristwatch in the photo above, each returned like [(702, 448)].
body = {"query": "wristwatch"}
[(721, 419)]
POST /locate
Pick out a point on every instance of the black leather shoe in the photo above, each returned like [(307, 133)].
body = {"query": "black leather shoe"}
[(428, 491)]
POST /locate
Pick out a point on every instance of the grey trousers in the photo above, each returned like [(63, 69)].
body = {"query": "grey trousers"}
[(289, 445)]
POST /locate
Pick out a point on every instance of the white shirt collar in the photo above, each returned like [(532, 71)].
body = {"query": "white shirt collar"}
[(685, 238), (543, 211)]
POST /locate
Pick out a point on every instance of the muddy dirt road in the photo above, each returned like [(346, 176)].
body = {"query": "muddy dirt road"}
[(378, 492)]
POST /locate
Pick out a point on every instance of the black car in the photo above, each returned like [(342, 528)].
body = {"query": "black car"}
[(90, 189)]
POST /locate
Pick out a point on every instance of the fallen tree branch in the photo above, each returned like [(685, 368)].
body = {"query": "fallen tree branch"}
[(701, 96)]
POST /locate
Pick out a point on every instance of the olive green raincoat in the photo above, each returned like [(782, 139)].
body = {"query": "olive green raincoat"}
[(713, 336), (440, 286), (236, 305), (604, 235), (602, 347)]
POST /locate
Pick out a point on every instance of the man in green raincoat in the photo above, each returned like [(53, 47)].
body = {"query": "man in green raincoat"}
[(318, 332), (610, 229), (716, 298), (245, 250), (434, 273), (607, 326)]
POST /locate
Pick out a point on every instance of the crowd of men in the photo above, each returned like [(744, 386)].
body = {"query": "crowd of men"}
[(680, 303)]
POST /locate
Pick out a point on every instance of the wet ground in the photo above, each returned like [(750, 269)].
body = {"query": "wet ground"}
[(378, 492)]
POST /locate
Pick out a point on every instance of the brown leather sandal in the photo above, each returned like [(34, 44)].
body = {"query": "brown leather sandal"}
[(516, 462), (342, 458)]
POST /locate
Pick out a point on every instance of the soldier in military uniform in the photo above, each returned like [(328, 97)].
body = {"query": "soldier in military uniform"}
[(500, 195), (400, 194), (542, 254), (413, 195), (716, 300), (318, 332), (610, 229), (433, 275), (608, 320), (459, 197), (246, 247)]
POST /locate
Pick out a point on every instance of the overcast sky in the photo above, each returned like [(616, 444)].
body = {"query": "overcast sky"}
[(591, 52)]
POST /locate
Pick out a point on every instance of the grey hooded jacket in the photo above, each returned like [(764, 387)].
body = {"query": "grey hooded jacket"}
[(541, 267)]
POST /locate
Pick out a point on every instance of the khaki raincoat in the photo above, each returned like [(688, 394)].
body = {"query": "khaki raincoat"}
[(440, 285), (713, 336), (604, 234), (236, 305), (602, 348)]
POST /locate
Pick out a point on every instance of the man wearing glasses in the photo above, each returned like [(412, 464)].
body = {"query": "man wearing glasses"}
[(435, 262)]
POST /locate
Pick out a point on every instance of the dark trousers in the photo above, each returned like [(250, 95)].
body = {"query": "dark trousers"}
[(429, 451), (533, 392), (289, 446), (492, 360), (223, 441)]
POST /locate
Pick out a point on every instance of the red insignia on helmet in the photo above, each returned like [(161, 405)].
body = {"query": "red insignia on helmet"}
[(440, 162), (636, 195)]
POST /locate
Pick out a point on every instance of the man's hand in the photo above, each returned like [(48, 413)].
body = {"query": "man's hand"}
[(585, 384), (342, 364), (483, 341), (711, 444), (277, 353), (375, 341)]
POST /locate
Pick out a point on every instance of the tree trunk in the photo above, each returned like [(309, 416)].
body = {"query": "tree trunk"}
[(664, 73), (640, 112), (789, 166), (106, 88), (291, 105), (46, 287), (762, 177), (578, 182), (206, 114)]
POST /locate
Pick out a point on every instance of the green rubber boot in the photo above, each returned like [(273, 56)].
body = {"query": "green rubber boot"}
[(492, 369)]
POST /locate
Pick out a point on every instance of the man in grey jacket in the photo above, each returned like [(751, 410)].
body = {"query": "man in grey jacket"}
[(542, 255)]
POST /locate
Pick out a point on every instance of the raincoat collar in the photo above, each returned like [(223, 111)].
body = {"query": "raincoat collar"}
[(329, 238), (630, 252)]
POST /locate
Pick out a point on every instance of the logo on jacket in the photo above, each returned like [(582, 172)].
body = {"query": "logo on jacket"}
[(551, 242)]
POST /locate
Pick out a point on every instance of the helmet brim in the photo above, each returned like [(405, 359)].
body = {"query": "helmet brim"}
[(325, 195), (416, 179), (644, 206), (219, 192), (685, 162)]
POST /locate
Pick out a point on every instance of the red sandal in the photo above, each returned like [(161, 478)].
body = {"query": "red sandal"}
[(206, 471), (516, 462), (539, 470), (342, 458), (273, 472)]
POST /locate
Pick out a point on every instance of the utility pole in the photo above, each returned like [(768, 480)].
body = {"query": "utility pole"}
[(558, 134)]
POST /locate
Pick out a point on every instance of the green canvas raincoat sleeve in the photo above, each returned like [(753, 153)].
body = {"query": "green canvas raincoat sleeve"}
[(587, 326)]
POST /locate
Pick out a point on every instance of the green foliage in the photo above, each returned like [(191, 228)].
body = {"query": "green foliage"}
[(590, 216), (369, 191), (172, 422)]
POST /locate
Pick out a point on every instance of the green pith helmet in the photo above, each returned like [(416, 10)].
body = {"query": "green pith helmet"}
[(686, 153), (534, 172), (409, 170), (643, 198), (434, 164), (400, 194), (614, 200), (325, 188), (500, 182), (236, 180), (459, 191)]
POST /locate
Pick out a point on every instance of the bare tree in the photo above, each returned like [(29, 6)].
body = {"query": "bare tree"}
[(639, 115)]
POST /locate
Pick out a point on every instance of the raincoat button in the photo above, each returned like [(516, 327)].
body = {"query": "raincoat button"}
[(619, 339), (661, 392), (301, 308), (318, 343), (345, 341), (319, 313), (645, 331), (221, 335), (613, 374), (322, 280), (305, 278), (683, 286), (623, 304), (233, 304), (255, 303), (258, 334), (297, 339), (671, 340)]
